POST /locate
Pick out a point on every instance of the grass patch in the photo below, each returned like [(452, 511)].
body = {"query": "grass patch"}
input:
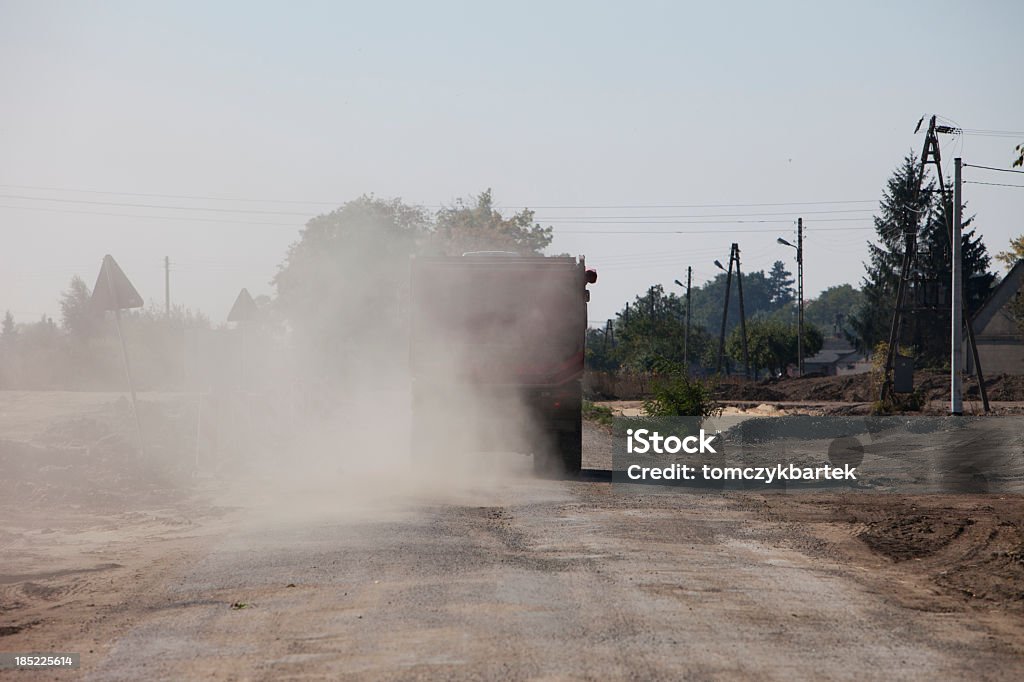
[(597, 413)]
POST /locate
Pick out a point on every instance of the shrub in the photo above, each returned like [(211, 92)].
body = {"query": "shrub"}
[(681, 396)]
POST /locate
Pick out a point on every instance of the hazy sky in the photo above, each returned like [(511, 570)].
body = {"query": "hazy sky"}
[(606, 108)]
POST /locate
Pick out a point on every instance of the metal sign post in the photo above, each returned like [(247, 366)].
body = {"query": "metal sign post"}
[(113, 291)]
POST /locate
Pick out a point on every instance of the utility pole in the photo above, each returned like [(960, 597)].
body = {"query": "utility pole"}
[(743, 314), (956, 405), (725, 311), (799, 246), (686, 335), (167, 286), (734, 257), (800, 295), (929, 154)]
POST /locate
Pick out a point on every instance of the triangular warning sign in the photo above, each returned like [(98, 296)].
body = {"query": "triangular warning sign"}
[(244, 308), (113, 291)]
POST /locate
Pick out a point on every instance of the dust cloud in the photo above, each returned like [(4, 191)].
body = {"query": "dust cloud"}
[(377, 378)]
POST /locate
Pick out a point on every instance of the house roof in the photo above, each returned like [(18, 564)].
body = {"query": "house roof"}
[(999, 296), (830, 357)]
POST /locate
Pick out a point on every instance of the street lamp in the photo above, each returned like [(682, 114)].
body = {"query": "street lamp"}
[(799, 246)]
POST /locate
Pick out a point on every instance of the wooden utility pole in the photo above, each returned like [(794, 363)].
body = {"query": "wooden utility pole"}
[(725, 311), (686, 334), (167, 286), (743, 314), (734, 257)]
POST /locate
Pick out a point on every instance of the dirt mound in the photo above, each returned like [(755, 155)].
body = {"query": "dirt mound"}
[(94, 461), (863, 388), (969, 545)]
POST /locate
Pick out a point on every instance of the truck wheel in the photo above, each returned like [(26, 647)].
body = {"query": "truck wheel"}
[(562, 456), (570, 446)]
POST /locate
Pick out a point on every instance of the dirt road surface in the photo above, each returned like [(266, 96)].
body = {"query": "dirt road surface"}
[(509, 577)]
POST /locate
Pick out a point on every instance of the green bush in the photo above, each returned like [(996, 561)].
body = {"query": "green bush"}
[(681, 396)]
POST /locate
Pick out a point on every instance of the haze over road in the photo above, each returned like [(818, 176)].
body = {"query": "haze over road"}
[(511, 578)]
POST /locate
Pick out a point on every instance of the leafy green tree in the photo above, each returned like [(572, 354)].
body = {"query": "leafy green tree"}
[(601, 351), (650, 331), (771, 344), (927, 328), (831, 310), (707, 300), (1015, 253), (342, 283), (780, 284), (476, 225)]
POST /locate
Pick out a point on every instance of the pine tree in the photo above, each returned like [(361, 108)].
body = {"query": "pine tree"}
[(780, 284), (926, 320), (77, 316)]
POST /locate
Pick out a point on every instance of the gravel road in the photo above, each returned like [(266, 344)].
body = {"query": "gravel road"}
[(507, 578)]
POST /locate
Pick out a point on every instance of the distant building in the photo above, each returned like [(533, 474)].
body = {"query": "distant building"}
[(997, 330), (837, 356)]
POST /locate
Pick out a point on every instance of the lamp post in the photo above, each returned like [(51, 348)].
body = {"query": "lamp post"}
[(799, 246)]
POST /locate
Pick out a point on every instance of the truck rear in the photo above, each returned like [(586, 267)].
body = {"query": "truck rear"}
[(506, 333)]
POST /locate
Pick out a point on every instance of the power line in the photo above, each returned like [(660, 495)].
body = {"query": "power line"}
[(706, 215), (190, 219), (159, 206), (991, 184), (172, 196), (992, 133), (718, 231), (741, 205), (709, 222), (572, 221), (991, 168), (341, 202)]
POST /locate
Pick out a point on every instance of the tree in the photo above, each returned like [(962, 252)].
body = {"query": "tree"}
[(475, 225), (780, 284), (926, 327), (830, 311), (1015, 253), (649, 334), (707, 300), (78, 318), (600, 354), (772, 344), (342, 283), (8, 331)]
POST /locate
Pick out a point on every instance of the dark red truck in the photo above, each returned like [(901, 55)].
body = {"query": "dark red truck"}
[(499, 338)]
